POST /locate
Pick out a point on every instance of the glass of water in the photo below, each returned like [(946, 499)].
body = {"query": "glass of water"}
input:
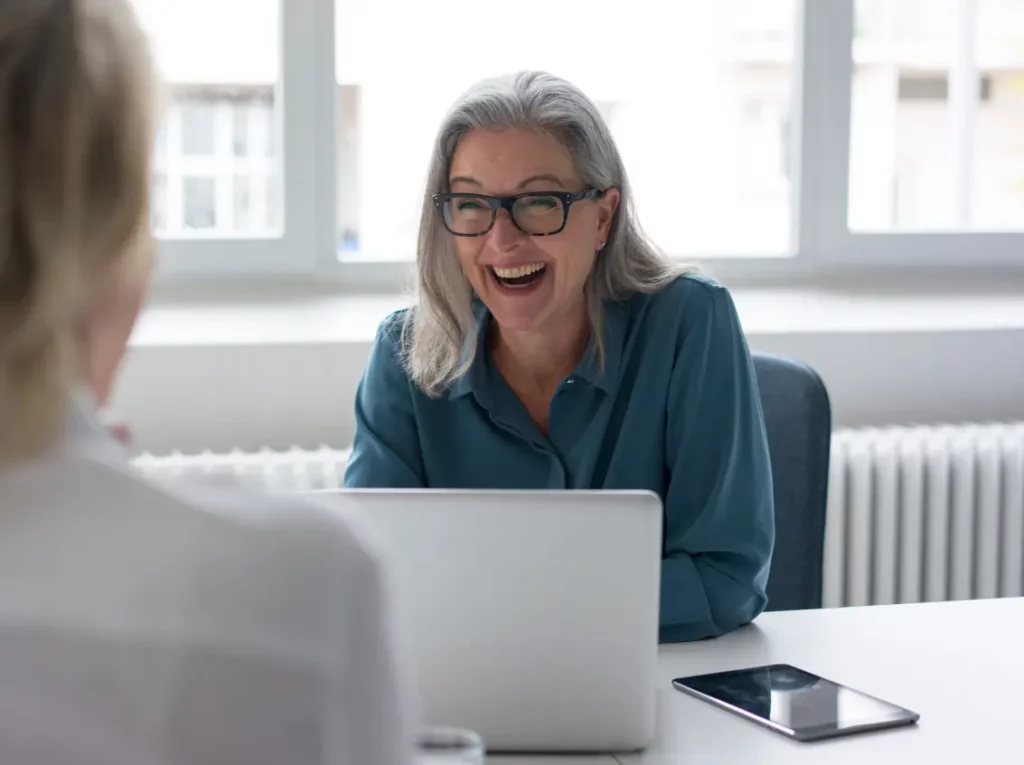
[(448, 746)]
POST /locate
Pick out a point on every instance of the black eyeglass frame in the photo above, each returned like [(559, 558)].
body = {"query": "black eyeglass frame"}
[(567, 199)]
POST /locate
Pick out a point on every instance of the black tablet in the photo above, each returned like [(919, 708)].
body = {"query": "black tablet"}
[(796, 703)]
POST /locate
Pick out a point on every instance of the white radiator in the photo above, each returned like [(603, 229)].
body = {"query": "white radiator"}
[(279, 471), (925, 514), (914, 514)]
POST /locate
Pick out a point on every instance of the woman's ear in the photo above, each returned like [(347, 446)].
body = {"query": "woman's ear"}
[(607, 205)]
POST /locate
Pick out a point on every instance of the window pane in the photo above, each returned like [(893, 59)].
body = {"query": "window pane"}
[(198, 127), (241, 134), (249, 194), (244, 202), (700, 110), (916, 161), (199, 203), (252, 124), (997, 200), (160, 151), (158, 203), (221, 120)]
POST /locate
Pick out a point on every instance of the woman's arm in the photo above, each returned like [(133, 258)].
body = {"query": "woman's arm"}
[(719, 525), (386, 449)]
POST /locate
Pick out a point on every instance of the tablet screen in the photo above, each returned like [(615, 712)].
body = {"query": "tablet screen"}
[(795, 700)]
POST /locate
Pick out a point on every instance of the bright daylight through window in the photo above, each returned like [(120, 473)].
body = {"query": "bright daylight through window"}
[(704, 99), (937, 138), (217, 151), (700, 109)]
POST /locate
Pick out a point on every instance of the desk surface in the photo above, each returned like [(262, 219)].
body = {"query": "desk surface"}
[(553, 759), (960, 665)]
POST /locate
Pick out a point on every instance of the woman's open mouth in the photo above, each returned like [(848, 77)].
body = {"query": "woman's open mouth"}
[(519, 277)]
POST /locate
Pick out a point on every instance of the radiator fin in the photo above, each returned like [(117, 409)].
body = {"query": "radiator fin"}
[(294, 469), (925, 514)]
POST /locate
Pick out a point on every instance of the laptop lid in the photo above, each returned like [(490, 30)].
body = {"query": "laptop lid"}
[(531, 616)]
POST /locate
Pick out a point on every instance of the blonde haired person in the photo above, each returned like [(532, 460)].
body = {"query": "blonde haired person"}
[(141, 624)]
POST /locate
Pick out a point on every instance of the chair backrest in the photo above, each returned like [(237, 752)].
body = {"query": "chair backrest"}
[(798, 420)]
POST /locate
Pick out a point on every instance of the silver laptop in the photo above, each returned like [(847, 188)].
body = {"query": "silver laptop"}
[(531, 616)]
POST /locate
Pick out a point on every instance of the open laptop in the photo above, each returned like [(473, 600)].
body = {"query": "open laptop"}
[(531, 616)]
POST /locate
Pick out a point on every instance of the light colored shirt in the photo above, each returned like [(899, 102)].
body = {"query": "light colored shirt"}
[(148, 625), (675, 410)]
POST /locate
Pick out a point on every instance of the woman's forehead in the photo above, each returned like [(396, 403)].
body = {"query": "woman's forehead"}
[(509, 158)]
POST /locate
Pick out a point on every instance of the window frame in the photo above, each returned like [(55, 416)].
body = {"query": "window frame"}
[(841, 249), (823, 245), (304, 121)]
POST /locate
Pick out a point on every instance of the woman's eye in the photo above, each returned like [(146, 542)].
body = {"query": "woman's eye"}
[(469, 204), (543, 203)]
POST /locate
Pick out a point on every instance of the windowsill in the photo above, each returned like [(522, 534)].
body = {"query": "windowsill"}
[(238, 368), (291, 317), (265, 320)]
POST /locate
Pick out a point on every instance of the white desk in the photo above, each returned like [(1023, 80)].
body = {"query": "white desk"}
[(551, 760), (960, 665)]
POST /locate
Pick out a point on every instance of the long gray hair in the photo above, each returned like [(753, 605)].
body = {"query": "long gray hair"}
[(439, 334)]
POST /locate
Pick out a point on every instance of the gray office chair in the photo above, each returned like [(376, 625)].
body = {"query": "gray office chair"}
[(798, 419)]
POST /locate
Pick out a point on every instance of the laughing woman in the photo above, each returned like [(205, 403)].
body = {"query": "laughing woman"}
[(551, 346)]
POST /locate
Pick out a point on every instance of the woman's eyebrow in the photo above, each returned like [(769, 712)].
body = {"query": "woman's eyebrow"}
[(522, 184)]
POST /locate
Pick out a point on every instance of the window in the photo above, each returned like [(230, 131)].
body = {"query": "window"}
[(198, 117), (244, 202), (158, 202), (199, 197), (766, 136), (935, 143), (216, 161), (219, 159), (698, 110), (938, 110)]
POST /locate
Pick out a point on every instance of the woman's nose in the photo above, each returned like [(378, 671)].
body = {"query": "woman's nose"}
[(504, 235)]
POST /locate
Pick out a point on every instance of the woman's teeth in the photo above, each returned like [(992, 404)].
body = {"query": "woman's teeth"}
[(518, 271)]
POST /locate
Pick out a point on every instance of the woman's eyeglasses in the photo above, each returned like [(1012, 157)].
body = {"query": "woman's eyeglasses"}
[(537, 213)]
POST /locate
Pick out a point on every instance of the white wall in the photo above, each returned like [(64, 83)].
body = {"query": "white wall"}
[(914, 377), (276, 385)]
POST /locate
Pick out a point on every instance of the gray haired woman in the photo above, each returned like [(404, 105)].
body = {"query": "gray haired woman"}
[(552, 346)]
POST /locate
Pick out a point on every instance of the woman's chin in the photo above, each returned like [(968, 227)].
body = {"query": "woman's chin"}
[(516, 319)]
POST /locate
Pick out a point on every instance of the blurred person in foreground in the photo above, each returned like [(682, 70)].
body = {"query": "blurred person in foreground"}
[(143, 624)]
